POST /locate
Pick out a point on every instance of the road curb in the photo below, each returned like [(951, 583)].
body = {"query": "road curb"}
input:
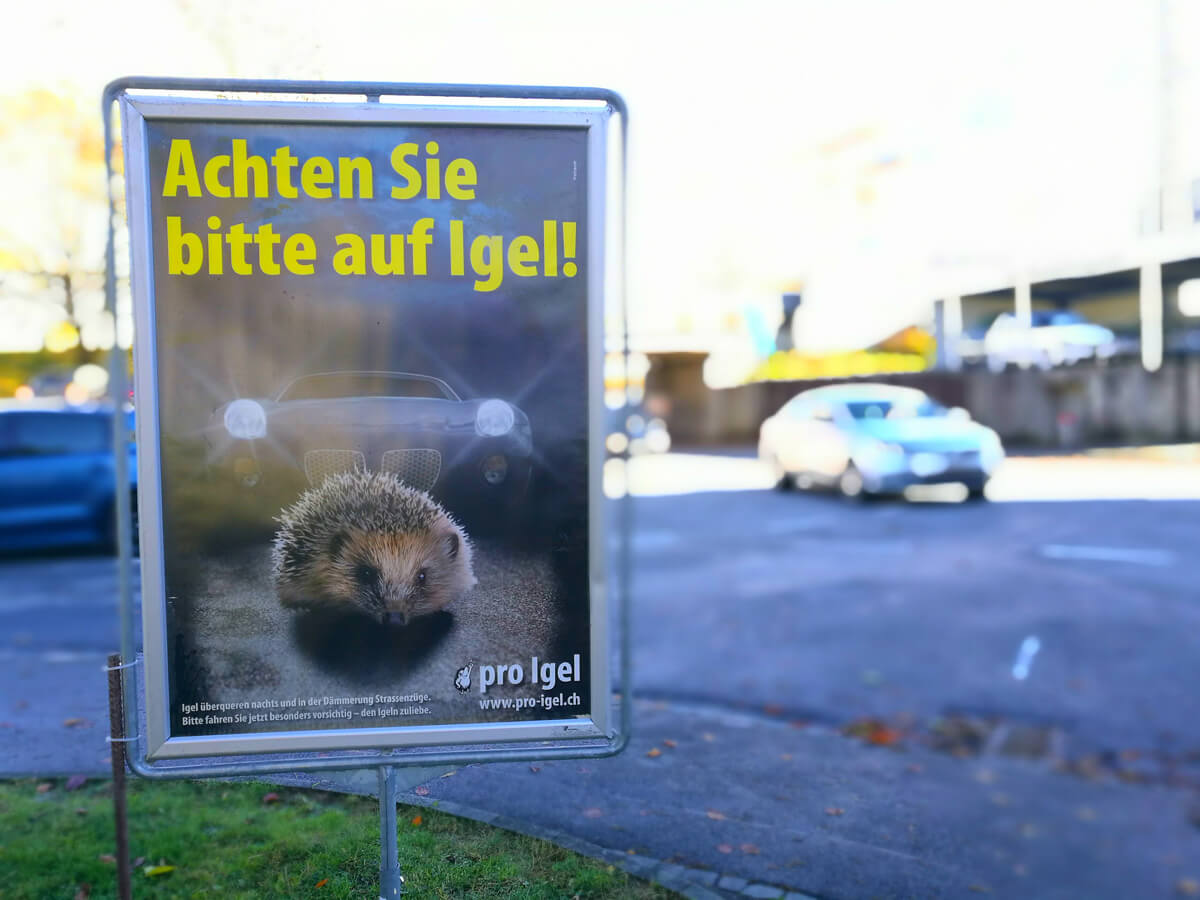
[(695, 884)]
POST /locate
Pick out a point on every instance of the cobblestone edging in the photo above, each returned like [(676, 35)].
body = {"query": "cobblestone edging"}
[(695, 884)]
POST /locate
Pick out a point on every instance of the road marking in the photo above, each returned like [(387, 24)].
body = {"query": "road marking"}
[(54, 656), (1135, 555), (1025, 653)]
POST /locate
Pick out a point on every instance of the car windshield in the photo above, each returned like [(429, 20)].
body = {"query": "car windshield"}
[(342, 385), (1057, 317), (888, 409)]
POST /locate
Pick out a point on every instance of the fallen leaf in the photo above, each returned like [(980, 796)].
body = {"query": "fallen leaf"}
[(653, 752), (713, 814), (750, 848), (417, 820), (270, 797), (667, 742), (914, 767), (74, 722), (322, 882), (75, 782), (535, 769), (107, 858), (798, 723), (45, 787), (421, 791), (883, 736), (724, 848), (985, 776), (1086, 814), (786, 757), (155, 871), (708, 737), (1188, 887), (772, 709), (85, 891), (450, 774), (834, 811), (593, 812)]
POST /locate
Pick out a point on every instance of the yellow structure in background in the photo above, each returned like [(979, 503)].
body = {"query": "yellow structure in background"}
[(911, 349)]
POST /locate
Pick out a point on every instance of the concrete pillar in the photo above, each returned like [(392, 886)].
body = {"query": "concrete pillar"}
[(947, 329), (1023, 310), (1150, 315)]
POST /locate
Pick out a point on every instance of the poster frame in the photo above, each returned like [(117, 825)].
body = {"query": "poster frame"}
[(602, 732)]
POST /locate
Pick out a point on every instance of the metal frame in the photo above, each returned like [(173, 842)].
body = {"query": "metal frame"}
[(450, 744)]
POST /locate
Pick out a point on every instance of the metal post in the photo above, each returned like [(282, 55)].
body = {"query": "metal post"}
[(391, 882), (116, 727)]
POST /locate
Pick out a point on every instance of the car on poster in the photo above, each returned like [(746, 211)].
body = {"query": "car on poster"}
[(463, 452), (371, 324)]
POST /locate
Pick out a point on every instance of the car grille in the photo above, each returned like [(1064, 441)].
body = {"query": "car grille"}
[(419, 468), (963, 459), (320, 464), (416, 468)]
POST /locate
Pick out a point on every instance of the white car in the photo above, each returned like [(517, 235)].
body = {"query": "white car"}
[(867, 439), (1054, 338)]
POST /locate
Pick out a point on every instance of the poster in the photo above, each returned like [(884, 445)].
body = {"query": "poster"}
[(366, 387)]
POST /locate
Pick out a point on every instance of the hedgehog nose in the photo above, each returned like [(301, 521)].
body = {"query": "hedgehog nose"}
[(395, 618)]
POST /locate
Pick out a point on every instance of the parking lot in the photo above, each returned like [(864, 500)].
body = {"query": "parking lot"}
[(1056, 636)]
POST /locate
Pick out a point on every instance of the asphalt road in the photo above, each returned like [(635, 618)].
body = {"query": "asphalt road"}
[(1036, 652), (831, 611)]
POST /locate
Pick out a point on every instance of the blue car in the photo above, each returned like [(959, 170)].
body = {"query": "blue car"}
[(57, 481)]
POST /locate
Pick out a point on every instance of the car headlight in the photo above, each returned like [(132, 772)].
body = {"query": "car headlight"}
[(991, 452), (245, 420), (494, 418)]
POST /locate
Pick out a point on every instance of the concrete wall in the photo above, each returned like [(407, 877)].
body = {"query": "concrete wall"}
[(1115, 402)]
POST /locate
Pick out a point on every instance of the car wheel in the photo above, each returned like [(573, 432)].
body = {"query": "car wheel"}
[(109, 528), (134, 531), (850, 483), (784, 480), (975, 493)]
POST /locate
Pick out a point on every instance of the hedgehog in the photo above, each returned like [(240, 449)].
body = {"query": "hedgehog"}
[(368, 543)]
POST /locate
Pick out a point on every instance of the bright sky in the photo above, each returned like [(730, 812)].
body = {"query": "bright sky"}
[(863, 148)]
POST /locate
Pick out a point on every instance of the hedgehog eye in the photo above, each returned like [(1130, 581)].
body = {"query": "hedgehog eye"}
[(421, 577), (366, 575)]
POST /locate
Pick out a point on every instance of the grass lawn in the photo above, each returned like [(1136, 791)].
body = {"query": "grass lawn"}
[(254, 840)]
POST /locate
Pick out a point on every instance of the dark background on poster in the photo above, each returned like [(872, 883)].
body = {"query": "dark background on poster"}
[(227, 336)]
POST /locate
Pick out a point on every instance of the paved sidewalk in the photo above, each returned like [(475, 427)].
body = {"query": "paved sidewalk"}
[(753, 807), (734, 804)]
